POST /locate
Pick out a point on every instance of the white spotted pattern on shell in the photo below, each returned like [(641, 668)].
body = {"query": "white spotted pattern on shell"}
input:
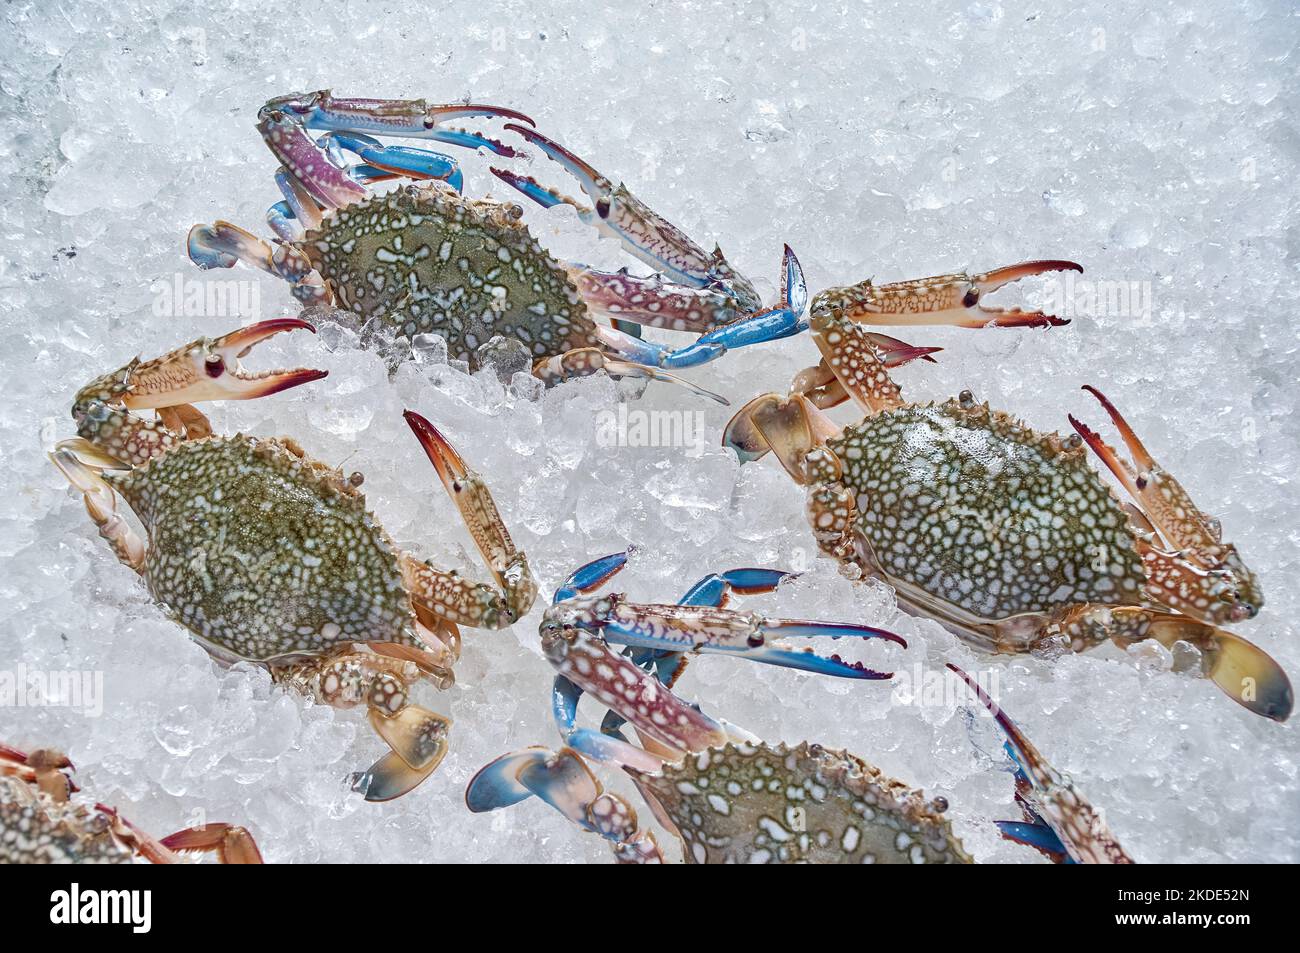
[(36, 830), (808, 804), (427, 260), (263, 552), (974, 507)]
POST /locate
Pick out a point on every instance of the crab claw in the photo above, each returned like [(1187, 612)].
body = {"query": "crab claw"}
[(1050, 800), (210, 369), (709, 630), (472, 497), (945, 299), (406, 118), (642, 231), (592, 576), (1202, 576)]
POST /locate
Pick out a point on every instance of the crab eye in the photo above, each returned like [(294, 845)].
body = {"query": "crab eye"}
[(215, 365)]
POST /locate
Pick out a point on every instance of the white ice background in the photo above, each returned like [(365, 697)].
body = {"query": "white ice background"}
[(1156, 143)]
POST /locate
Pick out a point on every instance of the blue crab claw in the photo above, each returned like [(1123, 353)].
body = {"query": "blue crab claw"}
[(497, 784), (407, 161), (1038, 836), (406, 118), (713, 631), (713, 589), (592, 576), (618, 213)]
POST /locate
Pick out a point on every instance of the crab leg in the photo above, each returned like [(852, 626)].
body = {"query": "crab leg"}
[(232, 845), (943, 299), (1162, 498), (1243, 671), (642, 232), (101, 504), (583, 361), (395, 161), (1051, 798), (563, 780), (708, 630), (445, 594), (223, 245), (379, 679), (403, 118)]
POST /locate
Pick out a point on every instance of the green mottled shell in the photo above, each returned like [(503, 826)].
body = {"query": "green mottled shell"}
[(427, 260), (34, 830), (984, 513), (263, 552), (807, 804)]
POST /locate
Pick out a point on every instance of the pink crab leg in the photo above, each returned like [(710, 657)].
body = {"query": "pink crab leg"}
[(944, 299), (642, 231), (614, 681), (518, 588), (307, 163), (1162, 498), (232, 845), (651, 301)]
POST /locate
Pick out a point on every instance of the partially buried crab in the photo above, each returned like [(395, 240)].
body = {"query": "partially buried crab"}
[(1001, 533), (269, 556), (425, 259), (728, 796), (42, 821)]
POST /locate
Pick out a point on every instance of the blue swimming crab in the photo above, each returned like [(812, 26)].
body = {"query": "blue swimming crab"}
[(727, 795), (42, 823), (636, 687), (425, 259), (269, 556), (1005, 535)]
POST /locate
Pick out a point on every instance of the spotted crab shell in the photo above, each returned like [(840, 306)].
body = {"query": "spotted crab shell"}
[(263, 552), (981, 512), (805, 804), (35, 830), (424, 259)]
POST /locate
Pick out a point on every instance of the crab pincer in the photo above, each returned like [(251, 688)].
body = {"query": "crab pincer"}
[(955, 299), (1059, 822), (578, 633)]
